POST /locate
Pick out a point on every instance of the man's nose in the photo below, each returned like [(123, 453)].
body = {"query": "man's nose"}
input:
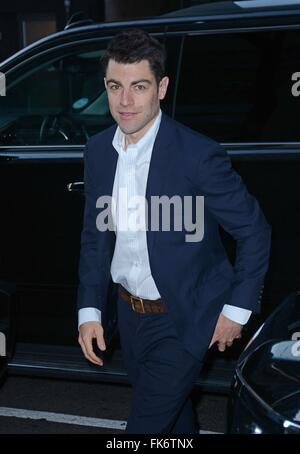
[(126, 98)]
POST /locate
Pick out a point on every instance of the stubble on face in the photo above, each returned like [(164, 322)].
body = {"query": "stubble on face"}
[(134, 97)]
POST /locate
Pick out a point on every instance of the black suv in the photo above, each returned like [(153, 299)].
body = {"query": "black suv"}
[(234, 69)]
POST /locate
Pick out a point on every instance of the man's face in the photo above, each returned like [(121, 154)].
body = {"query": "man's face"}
[(133, 96)]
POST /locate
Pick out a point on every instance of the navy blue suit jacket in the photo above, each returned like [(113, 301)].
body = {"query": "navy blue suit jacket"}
[(195, 279)]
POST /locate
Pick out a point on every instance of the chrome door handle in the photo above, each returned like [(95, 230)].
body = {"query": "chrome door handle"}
[(77, 186)]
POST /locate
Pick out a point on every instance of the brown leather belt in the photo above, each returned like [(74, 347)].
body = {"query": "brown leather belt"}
[(142, 305)]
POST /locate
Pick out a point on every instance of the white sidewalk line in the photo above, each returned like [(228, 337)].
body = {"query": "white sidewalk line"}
[(62, 418), (208, 432), (70, 419)]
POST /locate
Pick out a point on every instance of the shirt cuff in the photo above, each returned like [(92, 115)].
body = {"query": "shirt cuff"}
[(88, 314), (236, 314)]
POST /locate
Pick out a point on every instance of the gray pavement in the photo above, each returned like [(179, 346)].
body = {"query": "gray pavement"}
[(90, 403)]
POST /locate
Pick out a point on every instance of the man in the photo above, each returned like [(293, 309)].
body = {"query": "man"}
[(178, 293)]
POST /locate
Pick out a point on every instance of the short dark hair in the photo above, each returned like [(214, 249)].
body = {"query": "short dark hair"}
[(134, 45)]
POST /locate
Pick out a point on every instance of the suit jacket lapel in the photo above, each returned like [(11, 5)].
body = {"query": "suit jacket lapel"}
[(159, 166), (105, 178), (111, 159)]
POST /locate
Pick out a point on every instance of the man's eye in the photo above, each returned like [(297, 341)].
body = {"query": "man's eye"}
[(114, 87), (140, 87)]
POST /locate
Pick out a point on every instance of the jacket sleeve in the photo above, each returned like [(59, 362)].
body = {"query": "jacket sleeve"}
[(89, 276), (239, 213)]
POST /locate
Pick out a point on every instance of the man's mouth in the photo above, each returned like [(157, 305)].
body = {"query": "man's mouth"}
[(127, 115)]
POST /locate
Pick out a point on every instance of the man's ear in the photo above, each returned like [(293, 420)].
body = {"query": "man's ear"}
[(162, 88), (104, 80)]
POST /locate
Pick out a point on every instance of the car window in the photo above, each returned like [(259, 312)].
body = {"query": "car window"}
[(238, 87), (60, 101)]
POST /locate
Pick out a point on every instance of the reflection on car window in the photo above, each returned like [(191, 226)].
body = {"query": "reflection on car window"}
[(237, 87), (58, 102)]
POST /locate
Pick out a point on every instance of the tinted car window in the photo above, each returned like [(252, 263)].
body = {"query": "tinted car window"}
[(238, 87), (60, 101)]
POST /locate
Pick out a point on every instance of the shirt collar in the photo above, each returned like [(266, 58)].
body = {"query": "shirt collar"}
[(144, 143)]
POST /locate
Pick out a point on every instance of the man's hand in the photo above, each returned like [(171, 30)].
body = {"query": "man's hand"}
[(87, 332), (226, 331)]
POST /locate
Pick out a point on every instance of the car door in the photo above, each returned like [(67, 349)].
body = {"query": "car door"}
[(241, 94), (52, 105)]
